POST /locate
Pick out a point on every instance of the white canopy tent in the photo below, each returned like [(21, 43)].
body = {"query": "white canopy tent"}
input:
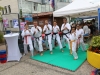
[(78, 8)]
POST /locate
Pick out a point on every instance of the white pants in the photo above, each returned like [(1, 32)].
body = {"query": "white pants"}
[(31, 48), (48, 41), (82, 45), (64, 38), (57, 37), (38, 44), (74, 50)]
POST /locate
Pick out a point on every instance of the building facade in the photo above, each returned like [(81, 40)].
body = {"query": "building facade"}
[(28, 7)]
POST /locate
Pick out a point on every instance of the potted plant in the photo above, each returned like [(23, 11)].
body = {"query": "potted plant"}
[(1, 37), (93, 53), (95, 44)]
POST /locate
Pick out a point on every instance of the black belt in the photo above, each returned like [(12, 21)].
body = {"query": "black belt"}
[(65, 34), (46, 35), (55, 37), (37, 38), (54, 34)]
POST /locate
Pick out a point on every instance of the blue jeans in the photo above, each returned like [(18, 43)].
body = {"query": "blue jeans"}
[(86, 34)]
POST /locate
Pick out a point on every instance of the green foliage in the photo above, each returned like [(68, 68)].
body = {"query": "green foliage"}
[(95, 42), (1, 37), (1, 8), (21, 13)]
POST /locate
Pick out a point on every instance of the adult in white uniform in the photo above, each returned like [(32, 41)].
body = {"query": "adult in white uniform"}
[(27, 35), (56, 36), (65, 28), (48, 35), (86, 30), (73, 39), (37, 33), (82, 45)]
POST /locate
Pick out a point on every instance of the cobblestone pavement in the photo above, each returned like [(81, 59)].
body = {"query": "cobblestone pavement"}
[(31, 67)]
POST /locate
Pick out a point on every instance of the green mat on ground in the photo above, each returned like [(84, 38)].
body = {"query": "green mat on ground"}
[(62, 60)]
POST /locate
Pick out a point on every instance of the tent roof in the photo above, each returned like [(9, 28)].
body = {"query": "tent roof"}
[(76, 7)]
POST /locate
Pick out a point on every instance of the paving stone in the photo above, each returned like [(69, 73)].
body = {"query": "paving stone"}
[(29, 69), (28, 66)]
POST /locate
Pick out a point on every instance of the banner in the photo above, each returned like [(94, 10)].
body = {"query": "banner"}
[(15, 23), (5, 23), (22, 24), (28, 19), (99, 19)]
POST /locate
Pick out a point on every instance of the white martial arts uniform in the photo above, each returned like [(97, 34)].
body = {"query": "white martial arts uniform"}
[(82, 45), (27, 40), (37, 38), (78, 39), (86, 29), (56, 36), (89, 31), (65, 34), (73, 39), (48, 36)]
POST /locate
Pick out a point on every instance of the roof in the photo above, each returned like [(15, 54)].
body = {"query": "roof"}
[(42, 14)]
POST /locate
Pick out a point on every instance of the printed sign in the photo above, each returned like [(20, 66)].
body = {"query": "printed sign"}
[(15, 23), (22, 24), (5, 22)]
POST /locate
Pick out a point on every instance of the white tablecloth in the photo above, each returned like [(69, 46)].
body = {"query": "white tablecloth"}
[(13, 49)]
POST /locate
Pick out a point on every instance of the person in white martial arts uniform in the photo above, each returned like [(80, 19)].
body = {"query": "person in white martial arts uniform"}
[(48, 35), (78, 36), (86, 30), (65, 28), (73, 39), (56, 36), (27, 35), (37, 33), (82, 45)]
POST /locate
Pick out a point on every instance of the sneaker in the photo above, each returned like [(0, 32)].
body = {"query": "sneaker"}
[(51, 52), (53, 48), (47, 48), (64, 47)]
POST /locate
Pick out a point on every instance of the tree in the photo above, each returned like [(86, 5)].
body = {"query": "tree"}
[(1, 8)]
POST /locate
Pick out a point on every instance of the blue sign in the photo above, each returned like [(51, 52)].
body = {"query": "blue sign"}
[(99, 19), (28, 18)]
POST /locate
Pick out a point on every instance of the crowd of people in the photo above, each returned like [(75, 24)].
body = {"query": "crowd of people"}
[(72, 34)]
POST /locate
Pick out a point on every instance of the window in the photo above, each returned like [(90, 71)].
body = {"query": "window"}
[(5, 9), (62, 0), (11, 25), (9, 8), (35, 6), (65, 1)]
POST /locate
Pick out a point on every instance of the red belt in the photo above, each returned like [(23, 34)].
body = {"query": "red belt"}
[(26, 38)]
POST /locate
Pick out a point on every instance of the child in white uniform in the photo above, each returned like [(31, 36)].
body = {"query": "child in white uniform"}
[(82, 45), (78, 36), (27, 35), (73, 39)]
